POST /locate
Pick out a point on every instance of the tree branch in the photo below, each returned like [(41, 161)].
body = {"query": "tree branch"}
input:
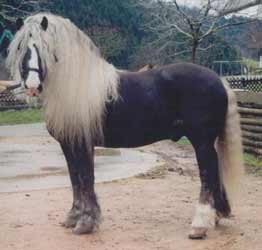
[(239, 8), (225, 26)]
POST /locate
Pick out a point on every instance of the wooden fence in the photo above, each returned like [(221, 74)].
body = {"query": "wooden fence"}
[(248, 83), (9, 100), (251, 125)]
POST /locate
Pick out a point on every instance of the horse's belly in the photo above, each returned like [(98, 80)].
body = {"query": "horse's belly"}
[(135, 134)]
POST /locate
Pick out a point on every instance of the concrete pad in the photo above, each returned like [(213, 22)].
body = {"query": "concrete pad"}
[(30, 160), (24, 130)]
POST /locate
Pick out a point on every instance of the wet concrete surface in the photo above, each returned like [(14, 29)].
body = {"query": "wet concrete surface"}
[(24, 130), (30, 160)]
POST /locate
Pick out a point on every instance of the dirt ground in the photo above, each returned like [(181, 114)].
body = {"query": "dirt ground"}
[(151, 211)]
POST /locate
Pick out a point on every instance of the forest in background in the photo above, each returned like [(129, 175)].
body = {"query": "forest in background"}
[(119, 29)]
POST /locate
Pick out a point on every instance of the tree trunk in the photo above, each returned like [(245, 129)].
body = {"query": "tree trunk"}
[(194, 50)]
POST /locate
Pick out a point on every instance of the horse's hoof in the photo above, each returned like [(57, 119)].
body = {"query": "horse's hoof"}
[(71, 220), (69, 223), (198, 233), (85, 225)]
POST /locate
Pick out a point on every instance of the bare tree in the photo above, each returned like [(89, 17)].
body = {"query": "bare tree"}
[(253, 40), (10, 10), (235, 6), (194, 22)]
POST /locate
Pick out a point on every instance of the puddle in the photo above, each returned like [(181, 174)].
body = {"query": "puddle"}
[(37, 162), (50, 169)]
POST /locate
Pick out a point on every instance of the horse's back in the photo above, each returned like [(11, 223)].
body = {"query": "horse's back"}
[(187, 78), (190, 77)]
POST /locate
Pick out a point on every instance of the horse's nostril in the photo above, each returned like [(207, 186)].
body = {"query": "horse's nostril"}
[(32, 92), (40, 88)]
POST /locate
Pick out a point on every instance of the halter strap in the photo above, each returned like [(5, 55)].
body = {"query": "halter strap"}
[(37, 71), (34, 70)]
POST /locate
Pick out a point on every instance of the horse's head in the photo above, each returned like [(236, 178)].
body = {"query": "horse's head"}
[(32, 69)]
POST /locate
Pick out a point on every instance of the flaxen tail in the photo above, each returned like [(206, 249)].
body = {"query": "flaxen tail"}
[(230, 151)]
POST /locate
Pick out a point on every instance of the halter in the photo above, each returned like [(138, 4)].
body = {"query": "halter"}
[(34, 70), (37, 71)]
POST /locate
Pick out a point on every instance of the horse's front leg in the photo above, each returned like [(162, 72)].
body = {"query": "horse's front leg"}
[(85, 213), (90, 210), (75, 212)]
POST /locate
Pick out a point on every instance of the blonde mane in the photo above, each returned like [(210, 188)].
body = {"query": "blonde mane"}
[(77, 86)]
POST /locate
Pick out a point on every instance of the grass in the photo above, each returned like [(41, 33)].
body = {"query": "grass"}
[(253, 164), (21, 117), (252, 160), (183, 142)]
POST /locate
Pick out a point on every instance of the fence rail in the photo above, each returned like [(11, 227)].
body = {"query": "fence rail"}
[(251, 125)]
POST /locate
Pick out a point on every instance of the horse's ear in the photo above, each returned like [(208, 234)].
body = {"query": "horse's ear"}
[(19, 23), (44, 23)]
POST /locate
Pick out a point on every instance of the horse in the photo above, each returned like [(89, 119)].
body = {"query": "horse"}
[(147, 67), (88, 102)]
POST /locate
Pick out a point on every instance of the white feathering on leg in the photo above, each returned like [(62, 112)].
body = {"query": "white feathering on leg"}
[(204, 216)]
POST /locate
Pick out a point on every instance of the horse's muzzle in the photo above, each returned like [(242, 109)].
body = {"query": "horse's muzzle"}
[(32, 92)]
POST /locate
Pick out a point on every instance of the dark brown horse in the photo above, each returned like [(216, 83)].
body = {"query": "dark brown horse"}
[(88, 102)]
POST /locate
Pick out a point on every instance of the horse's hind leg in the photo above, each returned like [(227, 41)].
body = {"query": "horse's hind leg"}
[(212, 198)]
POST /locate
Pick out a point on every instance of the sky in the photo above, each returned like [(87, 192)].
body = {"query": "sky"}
[(251, 11)]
